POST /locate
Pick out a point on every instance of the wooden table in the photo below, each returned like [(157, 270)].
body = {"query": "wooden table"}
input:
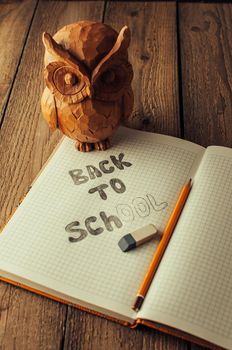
[(182, 58)]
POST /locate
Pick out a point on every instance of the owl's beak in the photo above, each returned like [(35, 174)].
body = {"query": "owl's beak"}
[(89, 91)]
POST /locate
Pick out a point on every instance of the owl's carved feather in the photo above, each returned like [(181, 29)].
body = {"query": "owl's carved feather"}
[(49, 109), (128, 103)]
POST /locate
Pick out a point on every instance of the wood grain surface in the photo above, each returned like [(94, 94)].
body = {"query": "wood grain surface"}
[(28, 321), (206, 63), (153, 54), (15, 20), (177, 50)]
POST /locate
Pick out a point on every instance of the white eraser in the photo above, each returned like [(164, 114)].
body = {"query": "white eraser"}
[(138, 237)]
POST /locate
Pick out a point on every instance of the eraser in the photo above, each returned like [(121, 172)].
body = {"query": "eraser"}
[(127, 243), (138, 237)]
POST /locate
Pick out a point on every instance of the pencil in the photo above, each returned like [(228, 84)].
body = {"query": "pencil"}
[(162, 246)]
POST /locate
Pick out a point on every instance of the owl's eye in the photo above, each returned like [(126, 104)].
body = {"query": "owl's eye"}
[(70, 79), (113, 78), (108, 77), (66, 81), (113, 81)]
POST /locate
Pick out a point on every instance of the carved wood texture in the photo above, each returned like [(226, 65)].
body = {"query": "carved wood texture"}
[(88, 82)]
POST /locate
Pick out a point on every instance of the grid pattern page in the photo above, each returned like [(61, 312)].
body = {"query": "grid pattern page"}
[(192, 289), (66, 231)]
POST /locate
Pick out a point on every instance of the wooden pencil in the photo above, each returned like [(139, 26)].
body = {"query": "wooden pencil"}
[(162, 246)]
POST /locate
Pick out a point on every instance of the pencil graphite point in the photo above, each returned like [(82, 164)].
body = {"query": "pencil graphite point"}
[(138, 303)]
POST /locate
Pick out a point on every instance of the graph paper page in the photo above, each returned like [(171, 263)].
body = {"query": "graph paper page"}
[(192, 289), (149, 171)]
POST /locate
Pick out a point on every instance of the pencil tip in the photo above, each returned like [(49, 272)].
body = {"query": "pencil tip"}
[(138, 303)]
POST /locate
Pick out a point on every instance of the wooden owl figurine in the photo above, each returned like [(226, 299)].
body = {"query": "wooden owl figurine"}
[(88, 82)]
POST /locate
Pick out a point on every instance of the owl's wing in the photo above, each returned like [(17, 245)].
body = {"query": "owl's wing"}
[(128, 102), (49, 109)]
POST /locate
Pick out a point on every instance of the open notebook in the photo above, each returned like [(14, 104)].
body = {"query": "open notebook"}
[(62, 240)]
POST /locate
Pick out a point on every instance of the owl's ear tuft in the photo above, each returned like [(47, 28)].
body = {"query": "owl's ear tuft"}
[(124, 38), (113, 74), (59, 54), (56, 50), (117, 54), (46, 38), (49, 43)]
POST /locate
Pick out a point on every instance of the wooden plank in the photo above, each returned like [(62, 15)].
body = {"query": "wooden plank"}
[(156, 108), (153, 54), (15, 19), (206, 56), (98, 333), (4, 306), (206, 46), (29, 321)]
